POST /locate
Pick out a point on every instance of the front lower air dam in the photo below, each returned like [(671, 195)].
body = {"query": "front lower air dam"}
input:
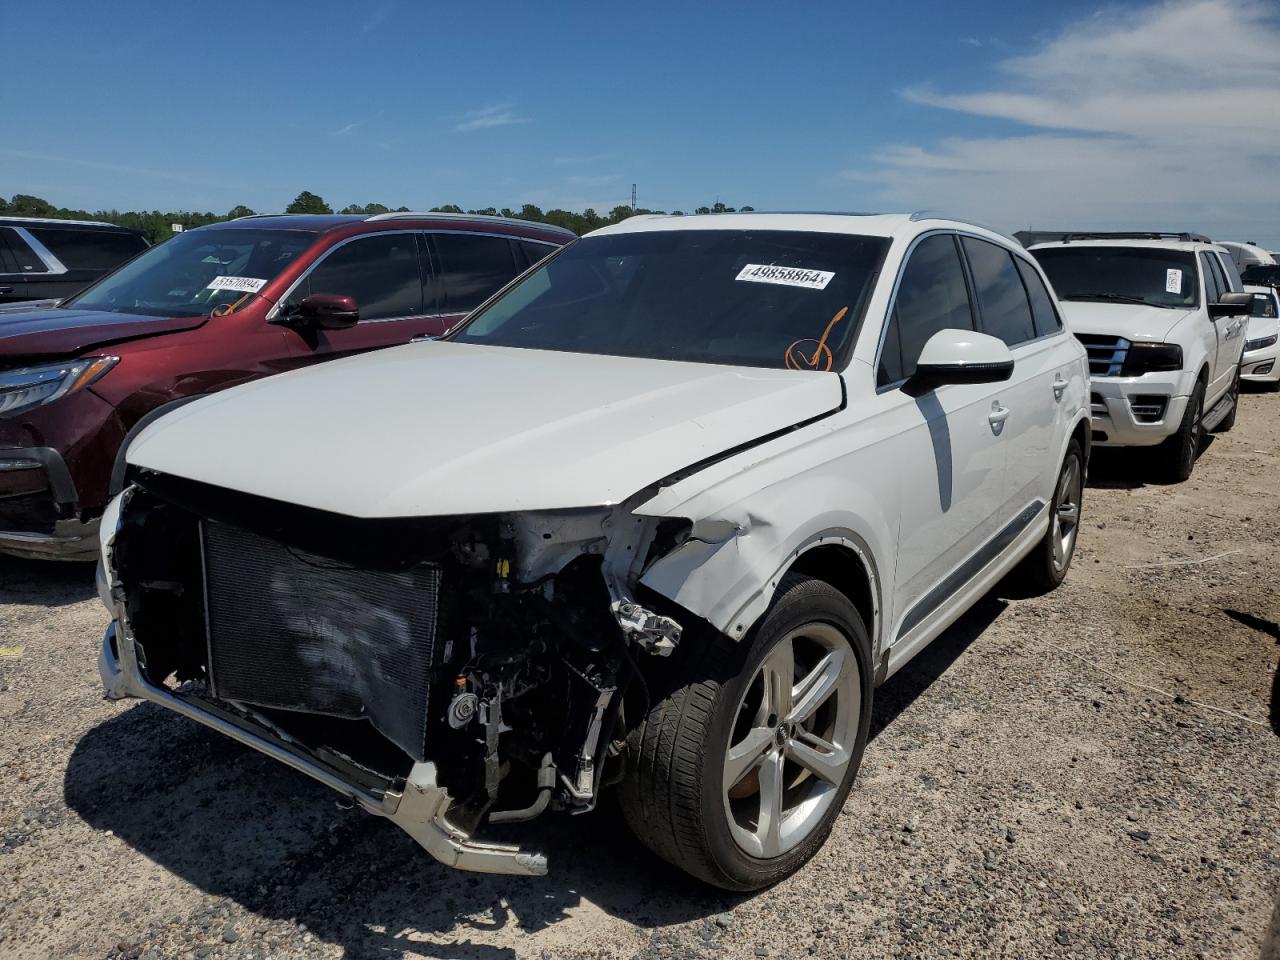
[(419, 806)]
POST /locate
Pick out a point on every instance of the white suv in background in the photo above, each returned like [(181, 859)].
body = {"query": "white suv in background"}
[(1261, 360), (1163, 317), (697, 485)]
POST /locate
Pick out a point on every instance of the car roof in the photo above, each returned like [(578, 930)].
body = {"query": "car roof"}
[(1187, 245), (860, 224), (319, 223), (59, 222)]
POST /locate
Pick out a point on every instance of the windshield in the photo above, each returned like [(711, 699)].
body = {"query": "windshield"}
[(196, 273), (767, 298), (1161, 278), (1263, 274), (1263, 305)]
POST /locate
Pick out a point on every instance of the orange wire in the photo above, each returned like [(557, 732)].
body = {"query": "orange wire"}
[(821, 342)]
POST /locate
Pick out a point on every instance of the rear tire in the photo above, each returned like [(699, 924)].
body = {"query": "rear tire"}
[(1046, 566), (1176, 457), (798, 686)]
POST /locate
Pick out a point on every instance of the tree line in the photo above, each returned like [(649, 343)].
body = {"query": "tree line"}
[(158, 225)]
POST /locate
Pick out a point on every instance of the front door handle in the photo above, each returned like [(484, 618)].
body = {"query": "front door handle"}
[(1059, 387), (997, 417)]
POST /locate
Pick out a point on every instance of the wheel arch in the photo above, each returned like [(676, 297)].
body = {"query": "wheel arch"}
[(850, 570)]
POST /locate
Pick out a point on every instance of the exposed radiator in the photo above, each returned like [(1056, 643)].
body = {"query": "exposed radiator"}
[(296, 631)]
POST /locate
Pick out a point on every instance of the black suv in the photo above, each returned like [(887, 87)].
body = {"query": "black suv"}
[(42, 259)]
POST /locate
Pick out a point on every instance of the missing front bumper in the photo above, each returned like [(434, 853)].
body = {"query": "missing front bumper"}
[(419, 806)]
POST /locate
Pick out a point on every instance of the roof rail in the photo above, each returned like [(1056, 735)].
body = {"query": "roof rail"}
[(56, 220), (1184, 237), (480, 217)]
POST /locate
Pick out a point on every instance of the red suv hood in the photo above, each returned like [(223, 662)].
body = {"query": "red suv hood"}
[(60, 333)]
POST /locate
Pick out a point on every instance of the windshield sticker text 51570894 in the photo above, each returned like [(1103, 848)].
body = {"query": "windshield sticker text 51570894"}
[(239, 284), (786, 276)]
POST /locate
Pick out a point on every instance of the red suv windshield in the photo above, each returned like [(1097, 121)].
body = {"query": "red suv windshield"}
[(196, 273)]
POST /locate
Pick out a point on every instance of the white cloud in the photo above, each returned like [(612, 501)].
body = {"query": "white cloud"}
[(496, 115), (1161, 116)]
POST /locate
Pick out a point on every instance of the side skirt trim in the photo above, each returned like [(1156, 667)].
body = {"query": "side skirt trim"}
[(956, 580)]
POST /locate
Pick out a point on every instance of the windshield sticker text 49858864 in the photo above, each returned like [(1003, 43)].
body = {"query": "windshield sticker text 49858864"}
[(786, 276)]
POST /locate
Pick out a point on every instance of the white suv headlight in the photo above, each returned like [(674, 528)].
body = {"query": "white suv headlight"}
[(28, 387)]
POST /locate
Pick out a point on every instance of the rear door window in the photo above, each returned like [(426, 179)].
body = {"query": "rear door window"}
[(381, 272), (932, 296), (470, 268), (1043, 313), (100, 250), (1002, 299)]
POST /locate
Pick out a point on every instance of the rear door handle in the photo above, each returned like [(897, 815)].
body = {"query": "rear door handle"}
[(1059, 387)]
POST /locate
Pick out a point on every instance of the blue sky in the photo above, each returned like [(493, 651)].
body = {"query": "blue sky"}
[(1018, 113)]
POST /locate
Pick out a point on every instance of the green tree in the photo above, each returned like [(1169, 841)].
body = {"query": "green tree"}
[(308, 202), (448, 208), (24, 205), (239, 210)]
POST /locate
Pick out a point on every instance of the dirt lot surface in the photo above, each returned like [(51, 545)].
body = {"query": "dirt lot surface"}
[(1090, 774)]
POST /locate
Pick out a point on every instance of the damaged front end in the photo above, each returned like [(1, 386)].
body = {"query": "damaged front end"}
[(448, 673)]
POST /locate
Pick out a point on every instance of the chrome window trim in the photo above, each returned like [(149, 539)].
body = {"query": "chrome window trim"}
[(53, 266), (423, 231)]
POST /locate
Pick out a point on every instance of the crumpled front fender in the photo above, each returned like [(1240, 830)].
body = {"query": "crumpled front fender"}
[(728, 568)]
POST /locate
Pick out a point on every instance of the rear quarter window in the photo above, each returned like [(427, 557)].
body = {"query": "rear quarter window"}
[(89, 249), (21, 255)]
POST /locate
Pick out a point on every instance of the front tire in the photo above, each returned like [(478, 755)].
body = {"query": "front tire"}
[(1176, 457), (750, 747)]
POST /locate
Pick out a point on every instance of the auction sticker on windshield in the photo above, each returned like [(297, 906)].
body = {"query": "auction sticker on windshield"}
[(1173, 281), (240, 284), (785, 276)]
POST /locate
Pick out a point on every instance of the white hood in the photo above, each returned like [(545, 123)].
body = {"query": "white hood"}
[(435, 429), (1129, 320)]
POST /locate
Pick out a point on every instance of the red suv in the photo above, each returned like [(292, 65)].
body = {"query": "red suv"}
[(212, 308)]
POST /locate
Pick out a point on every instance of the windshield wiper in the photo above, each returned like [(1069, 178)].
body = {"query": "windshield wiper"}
[(1116, 297)]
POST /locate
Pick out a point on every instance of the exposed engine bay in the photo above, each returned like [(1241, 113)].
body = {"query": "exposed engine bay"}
[(500, 652)]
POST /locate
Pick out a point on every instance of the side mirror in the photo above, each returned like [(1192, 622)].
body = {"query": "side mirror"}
[(960, 356), (327, 311), (1231, 305)]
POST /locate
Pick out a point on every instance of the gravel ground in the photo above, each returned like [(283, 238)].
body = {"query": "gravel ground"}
[(1089, 774)]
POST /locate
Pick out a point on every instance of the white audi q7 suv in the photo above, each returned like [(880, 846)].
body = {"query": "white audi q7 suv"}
[(660, 515)]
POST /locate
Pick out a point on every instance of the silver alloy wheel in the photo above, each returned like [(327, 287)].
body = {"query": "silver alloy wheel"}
[(1066, 513), (792, 740)]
